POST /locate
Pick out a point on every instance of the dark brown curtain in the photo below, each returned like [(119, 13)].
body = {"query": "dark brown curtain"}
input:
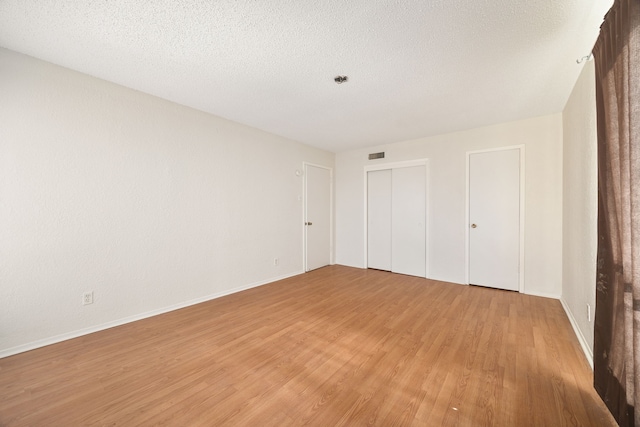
[(617, 322)]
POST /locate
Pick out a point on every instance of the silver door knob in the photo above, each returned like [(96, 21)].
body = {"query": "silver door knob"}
[(473, 226)]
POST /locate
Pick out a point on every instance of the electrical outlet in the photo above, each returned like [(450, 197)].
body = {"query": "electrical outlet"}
[(589, 312), (87, 298), (276, 261)]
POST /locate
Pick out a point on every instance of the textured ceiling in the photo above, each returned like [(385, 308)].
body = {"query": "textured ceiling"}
[(416, 68)]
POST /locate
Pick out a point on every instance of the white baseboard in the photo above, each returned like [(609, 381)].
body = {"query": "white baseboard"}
[(581, 339), (542, 294), (583, 342), (85, 331)]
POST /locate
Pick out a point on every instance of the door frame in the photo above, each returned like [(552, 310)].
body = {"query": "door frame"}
[(397, 165), (304, 213), (521, 236)]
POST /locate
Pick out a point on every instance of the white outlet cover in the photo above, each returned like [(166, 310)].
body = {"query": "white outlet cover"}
[(87, 298)]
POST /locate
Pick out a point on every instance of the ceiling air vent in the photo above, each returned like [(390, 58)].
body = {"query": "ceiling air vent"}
[(374, 156)]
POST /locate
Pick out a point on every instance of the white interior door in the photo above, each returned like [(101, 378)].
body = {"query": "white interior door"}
[(379, 219), (317, 216), (408, 221), (494, 216)]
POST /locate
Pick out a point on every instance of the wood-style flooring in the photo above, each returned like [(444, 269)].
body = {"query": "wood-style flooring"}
[(336, 346)]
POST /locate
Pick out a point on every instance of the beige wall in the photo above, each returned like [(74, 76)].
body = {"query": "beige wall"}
[(580, 205), (542, 138), (147, 203)]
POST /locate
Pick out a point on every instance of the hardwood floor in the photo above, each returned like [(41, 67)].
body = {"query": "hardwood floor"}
[(337, 346)]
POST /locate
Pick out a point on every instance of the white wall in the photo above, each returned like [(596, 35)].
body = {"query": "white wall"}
[(147, 203), (542, 138), (580, 206)]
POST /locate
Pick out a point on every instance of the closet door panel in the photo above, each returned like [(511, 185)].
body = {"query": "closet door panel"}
[(408, 221), (379, 219)]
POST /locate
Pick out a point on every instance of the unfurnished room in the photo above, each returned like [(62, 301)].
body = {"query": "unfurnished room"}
[(336, 213)]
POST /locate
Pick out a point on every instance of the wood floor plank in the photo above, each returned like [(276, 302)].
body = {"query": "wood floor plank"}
[(336, 346)]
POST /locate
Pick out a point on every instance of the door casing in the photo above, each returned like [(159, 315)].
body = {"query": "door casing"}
[(394, 165)]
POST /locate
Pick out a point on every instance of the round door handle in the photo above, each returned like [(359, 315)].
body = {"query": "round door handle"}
[(473, 226)]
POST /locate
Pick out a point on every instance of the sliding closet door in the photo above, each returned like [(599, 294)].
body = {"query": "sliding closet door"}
[(408, 242), (396, 220), (379, 219)]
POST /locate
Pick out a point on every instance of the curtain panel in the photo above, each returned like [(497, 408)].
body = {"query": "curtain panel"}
[(617, 321)]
